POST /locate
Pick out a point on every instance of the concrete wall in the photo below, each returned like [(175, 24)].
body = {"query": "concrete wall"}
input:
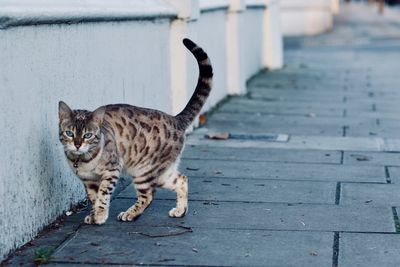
[(92, 54), (307, 17)]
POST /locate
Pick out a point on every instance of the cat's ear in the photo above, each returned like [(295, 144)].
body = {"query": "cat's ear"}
[(63, 111), (98, 115)]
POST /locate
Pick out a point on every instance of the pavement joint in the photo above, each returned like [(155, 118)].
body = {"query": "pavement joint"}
[(387, 174), (396, 220), (335, 254), (337, 194)]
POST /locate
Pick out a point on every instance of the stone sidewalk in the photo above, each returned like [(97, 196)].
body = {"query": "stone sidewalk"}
[(309, 176)]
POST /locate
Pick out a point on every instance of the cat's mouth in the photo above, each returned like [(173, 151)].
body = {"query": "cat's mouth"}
[(78, 152)]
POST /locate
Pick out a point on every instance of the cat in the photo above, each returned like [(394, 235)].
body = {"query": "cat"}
[(146, 143)]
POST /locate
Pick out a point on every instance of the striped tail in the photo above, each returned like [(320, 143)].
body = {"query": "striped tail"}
[(203, 88)]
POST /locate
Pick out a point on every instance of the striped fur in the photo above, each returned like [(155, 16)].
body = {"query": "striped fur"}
[(146, 143), (203, 87)]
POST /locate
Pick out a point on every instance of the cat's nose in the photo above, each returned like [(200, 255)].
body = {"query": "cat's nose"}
[(77, 146)]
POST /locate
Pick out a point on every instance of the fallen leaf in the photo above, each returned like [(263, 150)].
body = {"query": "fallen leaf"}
[(218, 136), (202, 119), (68, 213), (313, 253), (312, 115), (217, 172), (368, 201), (192, 169), (361, 157), (195, 250), (210, 203)]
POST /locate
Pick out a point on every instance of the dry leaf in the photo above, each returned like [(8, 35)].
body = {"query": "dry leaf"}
[(202, 119), (218, 136), (313, 253), (312, 115)]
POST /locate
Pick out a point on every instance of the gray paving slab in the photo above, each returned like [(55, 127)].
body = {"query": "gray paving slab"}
[(295, 109), (282, 171), (217, 189), (202, 247), (382, 131), (371, 158), (261, 154), (262, 216), (287, 124), (369, 250), (273, 125), (387, 195)]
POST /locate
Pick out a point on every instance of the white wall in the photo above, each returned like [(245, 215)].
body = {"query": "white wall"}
[(85, 65), (108, 52)]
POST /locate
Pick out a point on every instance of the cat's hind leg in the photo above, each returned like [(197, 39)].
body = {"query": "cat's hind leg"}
[(178, 183)]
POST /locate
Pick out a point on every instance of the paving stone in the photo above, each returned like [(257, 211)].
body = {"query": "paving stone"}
[(272, 124), (295, 109), (261, 154), (304, 142), (263, 216), (371, 158), (387, 195), (202, 247), (369, 250), (238, 123), (382, 131), (282, 171), (217, 189)]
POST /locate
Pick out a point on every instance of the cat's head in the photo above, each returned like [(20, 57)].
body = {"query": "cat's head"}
[(79, 129)]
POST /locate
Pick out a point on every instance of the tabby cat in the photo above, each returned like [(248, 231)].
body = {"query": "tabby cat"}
[(146, 143)]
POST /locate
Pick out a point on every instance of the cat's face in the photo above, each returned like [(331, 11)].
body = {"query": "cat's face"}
[(79, 129)]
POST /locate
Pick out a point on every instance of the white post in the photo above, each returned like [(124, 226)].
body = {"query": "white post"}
[(236, 83), (272, 44), (188, 11), (335, 6)]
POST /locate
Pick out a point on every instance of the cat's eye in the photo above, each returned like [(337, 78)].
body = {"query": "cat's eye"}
[(87, 135), (69, 133)]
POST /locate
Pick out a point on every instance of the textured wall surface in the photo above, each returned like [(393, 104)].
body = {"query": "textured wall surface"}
[(85, 65)]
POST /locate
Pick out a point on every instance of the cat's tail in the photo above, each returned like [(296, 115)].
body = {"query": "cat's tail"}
[(203, 88)]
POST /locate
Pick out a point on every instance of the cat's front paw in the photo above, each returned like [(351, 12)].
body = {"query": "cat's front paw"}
[(178, 212), (128, 216), (100, 217)]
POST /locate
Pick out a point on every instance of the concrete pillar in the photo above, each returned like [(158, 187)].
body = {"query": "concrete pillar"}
[(236, 81), (335, 6), (272, 39), (188, 11)]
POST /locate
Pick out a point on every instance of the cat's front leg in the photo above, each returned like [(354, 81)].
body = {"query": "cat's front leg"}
[(91, 190), (102, 204)]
